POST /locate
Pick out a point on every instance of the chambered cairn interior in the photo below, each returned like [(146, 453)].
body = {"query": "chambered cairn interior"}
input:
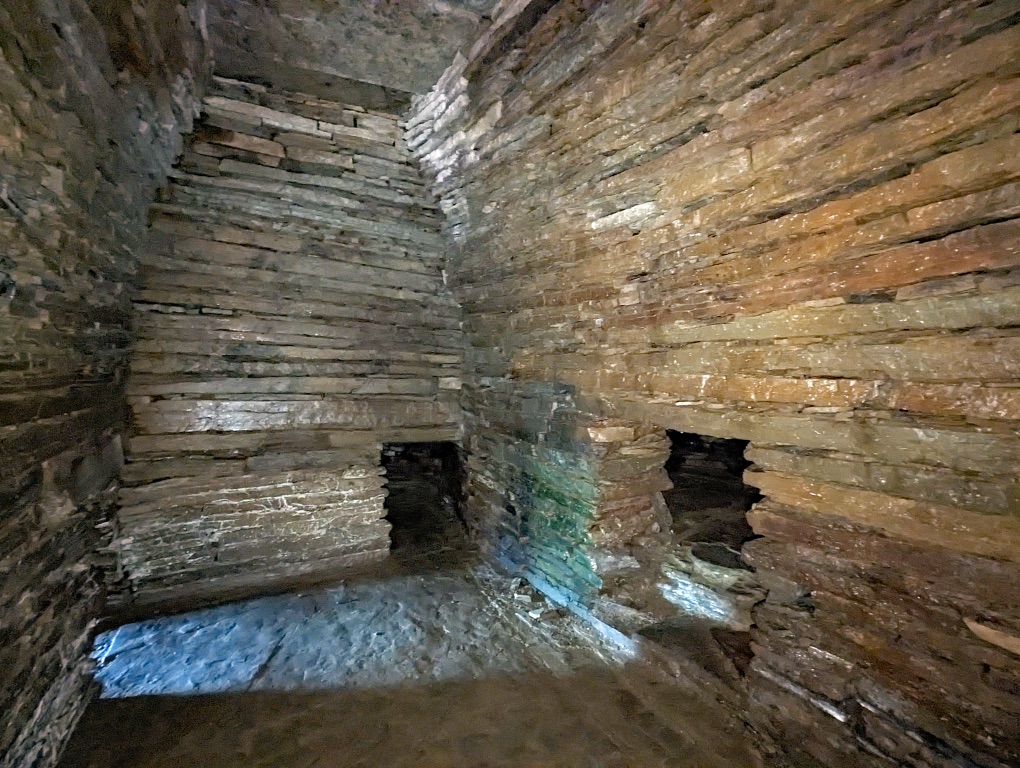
[(510, 383)]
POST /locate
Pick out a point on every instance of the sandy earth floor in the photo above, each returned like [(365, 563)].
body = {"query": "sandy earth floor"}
[(594, 718), (439, 663)]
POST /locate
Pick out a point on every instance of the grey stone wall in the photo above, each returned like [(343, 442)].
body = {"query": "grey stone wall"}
[(291, 315), (93, 100), (377, 49)]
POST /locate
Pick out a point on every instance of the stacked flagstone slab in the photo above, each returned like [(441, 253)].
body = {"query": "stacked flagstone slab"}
[(342, 46), (93, 99), (290, 316), (569, 499), (793, 223)]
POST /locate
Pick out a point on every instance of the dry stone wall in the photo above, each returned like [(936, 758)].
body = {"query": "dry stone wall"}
[(566, 497), (93, 100), (793, 223), (326, 48), (291, 315)]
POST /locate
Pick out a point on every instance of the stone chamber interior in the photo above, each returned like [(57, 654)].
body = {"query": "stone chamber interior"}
[(509, 383)]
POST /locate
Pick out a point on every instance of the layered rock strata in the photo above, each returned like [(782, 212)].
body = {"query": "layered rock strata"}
[(377, 49), (564, 497), (93, 100), (794, 224), (291, 316)]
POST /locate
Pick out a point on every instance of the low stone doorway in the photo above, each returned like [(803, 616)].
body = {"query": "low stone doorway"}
[(709, 498), (423, 482)]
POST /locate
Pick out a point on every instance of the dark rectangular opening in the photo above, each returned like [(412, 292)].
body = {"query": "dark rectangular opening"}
[(708, 505), (423, 482), (709, 498)]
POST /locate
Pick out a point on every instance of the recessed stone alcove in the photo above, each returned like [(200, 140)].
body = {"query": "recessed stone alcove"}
[(423, 504), (709, 498)]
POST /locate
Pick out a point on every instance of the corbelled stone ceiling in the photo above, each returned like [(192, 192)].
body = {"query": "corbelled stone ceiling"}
[(320, 46)]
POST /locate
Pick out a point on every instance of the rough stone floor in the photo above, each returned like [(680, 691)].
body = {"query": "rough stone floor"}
[(425, 666)]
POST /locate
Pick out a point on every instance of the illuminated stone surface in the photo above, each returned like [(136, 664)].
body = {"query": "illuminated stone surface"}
[(440, 663), (402, 630), (792, 224), (290, 317)]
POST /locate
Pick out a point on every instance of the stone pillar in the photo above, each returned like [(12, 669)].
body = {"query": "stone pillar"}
[(569, 499)]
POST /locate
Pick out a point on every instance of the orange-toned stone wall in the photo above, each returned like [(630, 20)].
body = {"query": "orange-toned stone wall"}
[(793, 223)]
